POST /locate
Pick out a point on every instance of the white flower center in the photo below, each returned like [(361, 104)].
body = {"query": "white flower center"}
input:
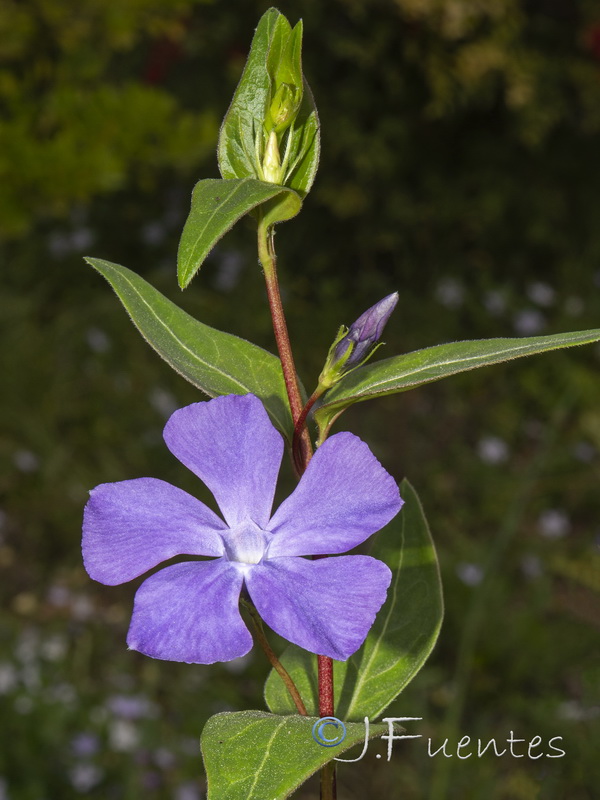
[(246, 543)]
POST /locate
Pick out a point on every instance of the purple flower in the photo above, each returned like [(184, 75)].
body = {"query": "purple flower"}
[(189, 611)]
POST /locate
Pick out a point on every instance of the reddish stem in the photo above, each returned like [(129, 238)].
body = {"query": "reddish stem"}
[(302, 453), (300, 430)]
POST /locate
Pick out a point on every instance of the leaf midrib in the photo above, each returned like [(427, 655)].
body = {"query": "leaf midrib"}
[(184, 346), (374, 387)]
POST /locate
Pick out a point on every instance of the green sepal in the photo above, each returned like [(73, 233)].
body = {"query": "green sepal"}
[(284, 65)]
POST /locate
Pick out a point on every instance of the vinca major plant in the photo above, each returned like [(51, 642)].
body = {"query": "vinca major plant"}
[(359, 627)]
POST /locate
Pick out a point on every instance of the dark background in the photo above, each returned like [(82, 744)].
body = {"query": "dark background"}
[(460, 167)]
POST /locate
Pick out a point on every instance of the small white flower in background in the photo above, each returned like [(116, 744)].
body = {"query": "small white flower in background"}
[(26, 461), (531, 566), (98, 341), (574, 306), (153, 233), (162, 401), (63, 693), (30, 676), (187, 791), (450, 293), (528, 322), (123, 736), (469, 574), (4, 795), (573, 710), (163, 758), (492, 450), (8, 679), (85, 776), (584, 451), (59, 244), (82, 239), (542, 294), (58, 596), (494, 302), (54, 648), (27, 648), (553, 524), (82, 608)]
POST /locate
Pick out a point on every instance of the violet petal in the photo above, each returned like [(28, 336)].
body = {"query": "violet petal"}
[(189, 612), (131, 526), (344, 496), (325, 606), (231, 445)]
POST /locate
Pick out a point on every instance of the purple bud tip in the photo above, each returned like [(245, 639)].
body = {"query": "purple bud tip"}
[(366, 331), (370, 325)]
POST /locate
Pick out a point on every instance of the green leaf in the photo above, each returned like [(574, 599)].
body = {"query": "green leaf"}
[(216, 206), (407, 627), (305, 148), (400, 373), (401, 639), (252, 755), (244, 118), (285, 64), (216, 362)]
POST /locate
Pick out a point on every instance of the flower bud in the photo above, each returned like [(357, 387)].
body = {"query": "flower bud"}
[(284, 107), (271, 165), (354, 346)]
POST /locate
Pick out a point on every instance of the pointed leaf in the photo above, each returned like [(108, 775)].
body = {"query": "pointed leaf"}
[(401, 639), (252, 755), (407, 627), (216, 362), (306, 148), (245, 116), (216, 206), (400, 373)]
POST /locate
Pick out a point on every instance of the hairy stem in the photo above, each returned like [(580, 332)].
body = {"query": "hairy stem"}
[(300, 429), (266, 254), (302, 453), (328, 782), (275, 662)]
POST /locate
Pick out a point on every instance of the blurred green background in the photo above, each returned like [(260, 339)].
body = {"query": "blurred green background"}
[(460, 165)]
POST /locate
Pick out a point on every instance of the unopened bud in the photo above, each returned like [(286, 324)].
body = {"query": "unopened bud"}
[(271, 165), (284, 107), (353, 347)]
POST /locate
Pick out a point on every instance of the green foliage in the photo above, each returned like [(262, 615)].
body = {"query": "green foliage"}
[(216, 362), (400, 373), (216, 206), (400, 641), (252, 143), (73, 128), (252, 755)]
